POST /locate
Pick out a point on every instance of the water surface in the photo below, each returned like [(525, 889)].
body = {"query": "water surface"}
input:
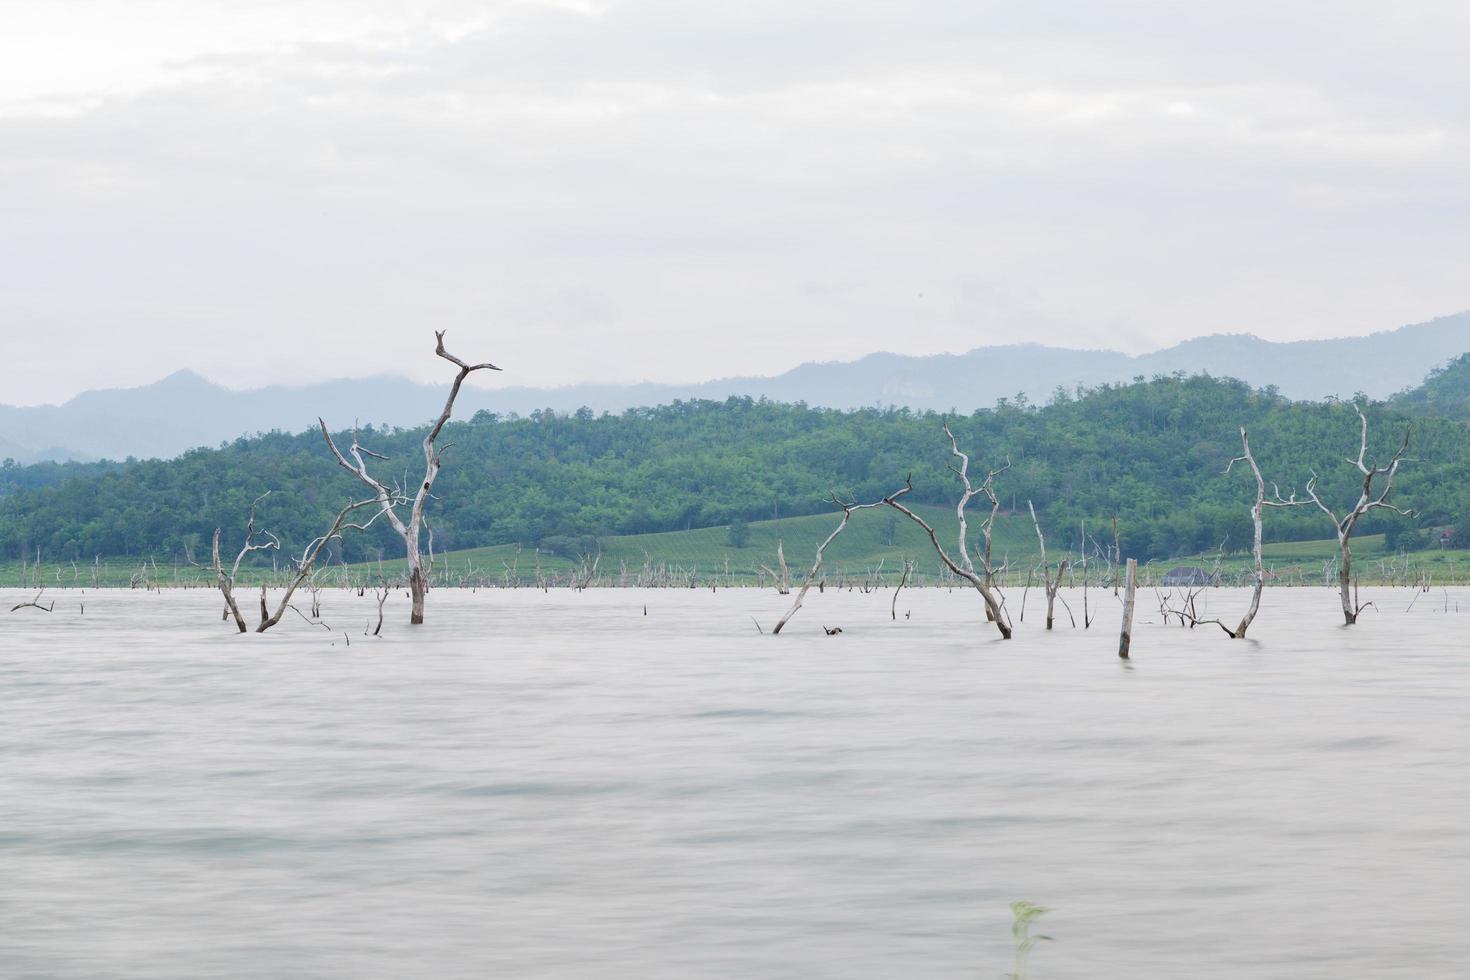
[(563, 785)]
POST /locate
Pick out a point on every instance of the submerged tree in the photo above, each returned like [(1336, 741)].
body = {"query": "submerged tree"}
[(965, 567), (1187, 608), (389, 499), (1051, 585), (305, 566), (1257, 512), (985, 488), (1370, 498), (848, 509)]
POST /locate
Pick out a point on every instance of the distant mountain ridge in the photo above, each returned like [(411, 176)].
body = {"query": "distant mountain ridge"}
[(184, 410)]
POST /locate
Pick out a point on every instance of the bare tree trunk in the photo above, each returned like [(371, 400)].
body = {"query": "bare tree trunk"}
[(382, 596), (968, 574), (908, 567), (227, 579), (1188, 614), (309, 557), (1367, 501), (227, 587), (847, 512), (1125, 637), (1256, 550), (1048, 583), (987, 526), (417, 586), (389, 500), (1350, 608)]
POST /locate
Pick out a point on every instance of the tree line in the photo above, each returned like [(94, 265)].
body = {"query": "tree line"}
[(1152, 453)]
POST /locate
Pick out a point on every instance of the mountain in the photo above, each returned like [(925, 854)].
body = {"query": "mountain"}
[(183, 410)]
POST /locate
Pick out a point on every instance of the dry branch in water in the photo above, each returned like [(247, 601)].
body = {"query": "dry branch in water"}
[(227, 579), (986, 488), (1125, 635), (781, 580), (388, 500), (1048, 583), (382, 596), (1262, 502), (305, 567), (1367, 501), (1187, 610), (34, 604), (908, 568), (847, 511), (965, 571), (307, 564)]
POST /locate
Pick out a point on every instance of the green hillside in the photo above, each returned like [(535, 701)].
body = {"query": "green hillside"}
[(1444, 394), (1152, 453)]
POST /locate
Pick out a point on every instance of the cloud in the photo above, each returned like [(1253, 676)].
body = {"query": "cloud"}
[(276, 192)]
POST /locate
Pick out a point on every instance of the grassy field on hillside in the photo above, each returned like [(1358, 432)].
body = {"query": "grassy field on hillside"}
[(876, 543)]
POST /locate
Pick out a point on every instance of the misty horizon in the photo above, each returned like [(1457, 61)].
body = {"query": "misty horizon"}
[(507, 380)]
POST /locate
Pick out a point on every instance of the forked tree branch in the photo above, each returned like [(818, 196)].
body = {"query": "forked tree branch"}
[(992, 607), (389, 500), (848, 509)]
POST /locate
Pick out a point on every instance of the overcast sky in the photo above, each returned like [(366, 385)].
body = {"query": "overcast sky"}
[(608, 190)]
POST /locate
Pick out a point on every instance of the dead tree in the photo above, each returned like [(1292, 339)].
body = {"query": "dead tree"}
[(848, 509), (1050, 584), (1368, 499), (987, 527), (586, 569), (966, 571), (1125, 635), (382, 596), (781, 580), (1187, 611), (227, 579), (305, 567), (908, 568), (387, 498), (1259, 568)]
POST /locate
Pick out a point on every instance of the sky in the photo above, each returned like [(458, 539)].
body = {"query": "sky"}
[(620, 190)]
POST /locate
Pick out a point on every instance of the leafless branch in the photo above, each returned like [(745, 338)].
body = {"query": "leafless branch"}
[(388, 500), (992, 607), (848, 509), (34, 604), (1369, 499)]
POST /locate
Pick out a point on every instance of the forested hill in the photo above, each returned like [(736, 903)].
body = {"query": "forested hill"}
[(1153, 453), (1444, 394)]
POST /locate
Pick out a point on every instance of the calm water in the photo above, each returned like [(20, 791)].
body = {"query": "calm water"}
[(560, 786)]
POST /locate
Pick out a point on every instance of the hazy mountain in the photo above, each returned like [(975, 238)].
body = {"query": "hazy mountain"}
[(184, 410)]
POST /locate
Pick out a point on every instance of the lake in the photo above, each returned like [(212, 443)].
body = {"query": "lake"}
[(638, 784)]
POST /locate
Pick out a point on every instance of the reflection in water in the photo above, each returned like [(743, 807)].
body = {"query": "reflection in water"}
[(556, 786)]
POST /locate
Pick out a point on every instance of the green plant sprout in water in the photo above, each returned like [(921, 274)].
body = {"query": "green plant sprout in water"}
[(1025, 914)]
